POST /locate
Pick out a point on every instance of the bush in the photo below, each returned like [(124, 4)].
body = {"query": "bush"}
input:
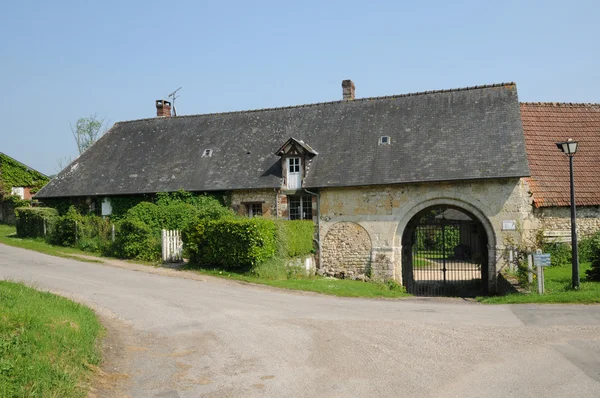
[(136, 239), (593, 274), (64, 232), (587, 246), (88, 233), (235, 243), (30, 221), (560, 253), (295, 238)]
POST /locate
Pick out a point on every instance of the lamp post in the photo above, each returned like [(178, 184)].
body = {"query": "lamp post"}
[(569, 148)]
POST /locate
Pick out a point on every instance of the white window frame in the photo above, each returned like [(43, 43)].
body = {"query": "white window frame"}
[(18, 191), (303, 209)]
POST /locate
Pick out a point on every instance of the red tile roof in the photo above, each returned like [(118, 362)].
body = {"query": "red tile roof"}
[(545, 124)]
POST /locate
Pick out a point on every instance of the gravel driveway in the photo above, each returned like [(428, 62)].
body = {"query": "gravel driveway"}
[(171, 336)]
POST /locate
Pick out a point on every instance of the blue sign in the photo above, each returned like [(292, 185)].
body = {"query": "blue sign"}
[(541, 260)]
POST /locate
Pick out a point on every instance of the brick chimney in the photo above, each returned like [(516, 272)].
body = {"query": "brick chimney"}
[(163, 108), (348, 90)]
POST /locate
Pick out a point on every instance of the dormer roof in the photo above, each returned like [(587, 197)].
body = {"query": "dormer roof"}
[(296, 147)]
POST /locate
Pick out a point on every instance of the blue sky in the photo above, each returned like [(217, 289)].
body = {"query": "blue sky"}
[(62, 60)]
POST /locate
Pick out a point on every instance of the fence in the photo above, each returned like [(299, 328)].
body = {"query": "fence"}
[(172, 246)]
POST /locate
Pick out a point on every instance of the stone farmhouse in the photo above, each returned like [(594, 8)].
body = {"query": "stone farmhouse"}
[(384, 179)]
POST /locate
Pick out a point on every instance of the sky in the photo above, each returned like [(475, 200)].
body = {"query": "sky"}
[(63, 60)]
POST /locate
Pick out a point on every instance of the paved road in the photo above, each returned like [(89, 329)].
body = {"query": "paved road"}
[(189, 338)]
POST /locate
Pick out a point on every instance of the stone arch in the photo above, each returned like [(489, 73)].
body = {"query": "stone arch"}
[(346, 250), (470, 209)]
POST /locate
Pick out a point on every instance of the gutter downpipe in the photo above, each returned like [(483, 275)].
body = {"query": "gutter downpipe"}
[(276, 203), (318, 221)]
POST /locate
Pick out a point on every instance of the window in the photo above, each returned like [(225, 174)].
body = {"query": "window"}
[(254, 209), (207, 153), (300, 207), (384, 140), (294, 165), (18, 191)]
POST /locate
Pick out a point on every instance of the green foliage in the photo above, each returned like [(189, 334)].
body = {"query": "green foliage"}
[(560, 253), (430, 239), (295, 238), (587, 247), (121, 204), (15, 174), (87, 130), (593, 274), (135, 239), (64, 232), (62, 205), (144, 222), (232, 243), (47, 344), (30, 221), (15, 201)]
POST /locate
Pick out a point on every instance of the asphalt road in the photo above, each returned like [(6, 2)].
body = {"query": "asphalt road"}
[(179, 337)]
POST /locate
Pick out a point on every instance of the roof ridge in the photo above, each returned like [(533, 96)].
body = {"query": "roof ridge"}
[(559, 104), (418, 93)]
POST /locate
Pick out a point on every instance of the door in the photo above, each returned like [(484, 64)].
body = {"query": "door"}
[(294, 173)]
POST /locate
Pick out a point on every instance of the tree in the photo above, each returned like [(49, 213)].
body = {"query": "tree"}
[(87, 130)]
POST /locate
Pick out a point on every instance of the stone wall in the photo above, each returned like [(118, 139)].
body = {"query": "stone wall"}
[(384, 212), (558, 219), (346, 251), (267, 197)]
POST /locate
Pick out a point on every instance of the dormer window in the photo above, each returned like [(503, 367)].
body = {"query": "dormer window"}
[(294, 157), (207, 153)]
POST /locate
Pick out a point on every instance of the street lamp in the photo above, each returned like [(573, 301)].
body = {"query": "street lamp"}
[(569, 148)]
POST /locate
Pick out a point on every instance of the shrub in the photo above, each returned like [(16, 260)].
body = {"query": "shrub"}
[(136, 239), (236, 243), (295, 238), (593, 274), (64, 232), (30, 221), (560, 253), (587, 246)]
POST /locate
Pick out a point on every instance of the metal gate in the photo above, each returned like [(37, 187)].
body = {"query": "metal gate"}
[(447, 257)]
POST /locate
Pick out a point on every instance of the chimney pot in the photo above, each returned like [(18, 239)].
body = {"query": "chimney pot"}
[(348, 90), (163, 108)]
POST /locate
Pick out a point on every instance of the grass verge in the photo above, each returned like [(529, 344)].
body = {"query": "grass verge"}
[(335, 287), (557, 289), (48, 344), (8, 236)]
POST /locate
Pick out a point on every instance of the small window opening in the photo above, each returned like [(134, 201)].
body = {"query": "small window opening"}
[(207, 153), (384, 140), (254, 209)]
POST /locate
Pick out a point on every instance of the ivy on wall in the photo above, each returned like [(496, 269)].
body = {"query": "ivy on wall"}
[(15, 174)]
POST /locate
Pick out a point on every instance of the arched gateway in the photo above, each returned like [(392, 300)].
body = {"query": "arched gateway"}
[(445, 252)]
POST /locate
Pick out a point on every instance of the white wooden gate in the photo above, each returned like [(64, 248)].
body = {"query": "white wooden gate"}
[(172, 246)]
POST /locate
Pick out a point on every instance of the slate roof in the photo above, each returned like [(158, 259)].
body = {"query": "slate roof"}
[(459, 134), (544, 124)]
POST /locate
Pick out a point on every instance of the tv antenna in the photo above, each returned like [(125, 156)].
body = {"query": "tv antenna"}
[(173, 97)]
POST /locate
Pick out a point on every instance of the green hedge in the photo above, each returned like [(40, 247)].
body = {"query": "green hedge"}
[(136, 239), (244, 243), (296, 237), (236, 243), (30, 221)]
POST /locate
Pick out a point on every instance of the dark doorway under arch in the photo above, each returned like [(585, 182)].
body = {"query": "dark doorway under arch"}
[(445, 253)]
